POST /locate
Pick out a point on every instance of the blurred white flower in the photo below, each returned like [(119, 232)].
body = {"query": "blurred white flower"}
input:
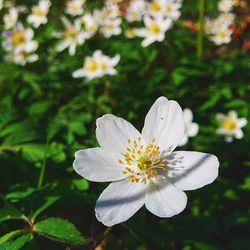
[(72, 36), (172, 9), (90, 24), (131, 32), (135, 11), (143, 167), (21, 57), (10, 18), (222, 36), (225, 5), (19, 40), (156, 8), (97, 65), (75, 7), (111, 27), (39, 13), (154, 30), (1, 4), (231, 126), (191, 128)]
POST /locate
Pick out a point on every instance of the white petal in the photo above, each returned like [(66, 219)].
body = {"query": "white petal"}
[(96, 164), (233, 114), (192, 129), (188, 115), (239, 134), (191, 170), (164, 122), (72, 49), (242, 122), (184, 140), (119, 201), (113, 132), (63, 45), (79, 73), (220, 116), (165, 200)]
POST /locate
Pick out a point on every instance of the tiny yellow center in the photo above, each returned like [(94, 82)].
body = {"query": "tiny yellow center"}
[(229, 124), (154, 29), (142, 162), (70, 34), (73, 8), (91, 66), (18, 38), (155, 7), (222, 35), (38, 12), (168, 8)]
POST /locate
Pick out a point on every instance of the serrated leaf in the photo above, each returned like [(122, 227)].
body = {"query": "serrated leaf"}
[(18, 243), (60, 230), (8, 212)]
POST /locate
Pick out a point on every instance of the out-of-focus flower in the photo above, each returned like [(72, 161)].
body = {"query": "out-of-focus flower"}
[(72, 36), (194, 27), (143, 167), (19, 40), (156, 8), (231, 126), (191, 128), (154, 30), (222, 36), (225, 5), (172, 9), (135, 11), (131, 32), (75, 7), (97, 65), (39, 13), (1, 4), (10, 19), (111, 27), (90, 24), (21, 57)]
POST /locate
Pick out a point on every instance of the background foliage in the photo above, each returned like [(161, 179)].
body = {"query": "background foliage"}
[(46, 116)]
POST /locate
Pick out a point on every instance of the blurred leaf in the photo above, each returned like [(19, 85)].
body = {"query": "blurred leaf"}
[(9, 212), (10, 236), (18, 243), (80, 184), (60, 230)]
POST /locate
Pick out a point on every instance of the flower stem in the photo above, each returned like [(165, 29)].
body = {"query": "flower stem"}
[(200, 34), (42, 172)]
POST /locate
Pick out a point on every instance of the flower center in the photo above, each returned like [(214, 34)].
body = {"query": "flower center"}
[(70, 34), (229, 124), (18, 38), (154, 29), (222, 35), (155, 7), (39, 12), (142, 162), (91, 66)]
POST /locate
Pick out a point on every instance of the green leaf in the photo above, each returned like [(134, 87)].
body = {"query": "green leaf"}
[(80, 184), (49, 202), (8, 212), (60, 230), (10, 235), (18, 243)]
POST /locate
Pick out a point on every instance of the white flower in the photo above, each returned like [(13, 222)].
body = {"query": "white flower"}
[(156, 8), (19, 40), (225, 5), (21, 57), (226, 18), (111, 27), (231, 126), (39, 13), (131, 32), (143, 167), (222, 36), (155, 30), (90, 24), (97, 66), (10, 18), (71, 36), (191, 128), (171, 9), (74, 7), (135, 11)]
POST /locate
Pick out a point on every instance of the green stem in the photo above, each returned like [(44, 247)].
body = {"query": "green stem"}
[(42, 172), (200, 34)]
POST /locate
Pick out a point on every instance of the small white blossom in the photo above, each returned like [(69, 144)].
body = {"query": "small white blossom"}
[(143, 167), (135, 11), (154, 30), (90, 24), (10, 19), (225, 5), (111, 27), (21, 57), (191, 128), (97, 65), (74, 7), (222, 36), (39, 13), (231, 126), (72, 36)]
